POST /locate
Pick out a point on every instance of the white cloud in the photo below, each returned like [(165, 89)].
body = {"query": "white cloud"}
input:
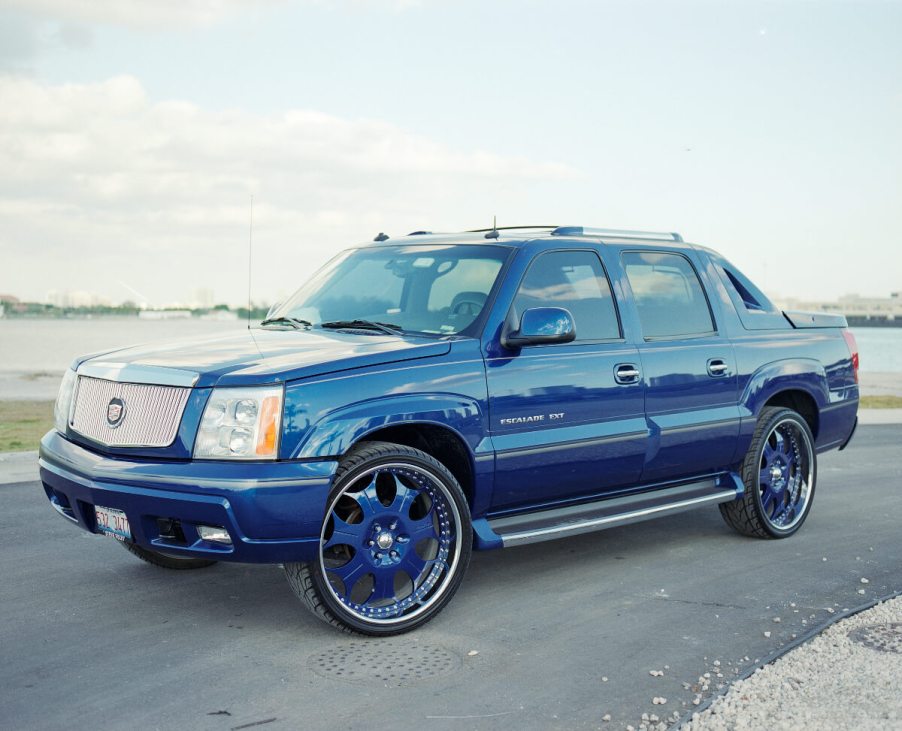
[(101, 184), (164, 14), (154, 14)]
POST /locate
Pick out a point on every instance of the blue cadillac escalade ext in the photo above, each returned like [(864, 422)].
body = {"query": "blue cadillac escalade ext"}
[(423, 396)]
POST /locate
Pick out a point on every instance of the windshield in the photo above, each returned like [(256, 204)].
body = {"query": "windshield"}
[(426, 289)]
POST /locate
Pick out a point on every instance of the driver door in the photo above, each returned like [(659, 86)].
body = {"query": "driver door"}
[(563, 422)]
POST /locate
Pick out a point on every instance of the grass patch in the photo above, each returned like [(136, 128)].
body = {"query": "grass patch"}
[(880, 402), (23, 423)]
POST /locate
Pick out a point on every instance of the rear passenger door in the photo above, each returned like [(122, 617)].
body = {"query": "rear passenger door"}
[(688, 364), (563, 425)]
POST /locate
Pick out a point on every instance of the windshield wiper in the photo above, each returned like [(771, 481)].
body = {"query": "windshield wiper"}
[(384, 327), (283, 320)]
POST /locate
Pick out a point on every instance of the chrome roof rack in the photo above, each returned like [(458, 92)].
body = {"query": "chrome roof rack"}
[(617, 233), (504, 228)]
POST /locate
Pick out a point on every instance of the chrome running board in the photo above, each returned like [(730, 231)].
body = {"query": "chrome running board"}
[(546, 525)]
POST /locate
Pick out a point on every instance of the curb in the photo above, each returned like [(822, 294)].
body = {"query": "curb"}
[(18, 467), (879, 416)]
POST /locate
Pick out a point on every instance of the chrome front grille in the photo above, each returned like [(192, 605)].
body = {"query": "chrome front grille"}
[(150, 414)]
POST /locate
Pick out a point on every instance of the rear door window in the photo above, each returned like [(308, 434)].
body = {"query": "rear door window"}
[(668, 295)]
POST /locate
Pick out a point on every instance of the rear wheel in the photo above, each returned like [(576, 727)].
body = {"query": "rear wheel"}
[(166, 560), (394, 546), (779, 472)]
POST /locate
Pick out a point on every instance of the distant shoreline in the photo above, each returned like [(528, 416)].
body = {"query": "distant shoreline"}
[(861, 322)]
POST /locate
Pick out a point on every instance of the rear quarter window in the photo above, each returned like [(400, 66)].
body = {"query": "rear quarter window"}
[(755, 310)]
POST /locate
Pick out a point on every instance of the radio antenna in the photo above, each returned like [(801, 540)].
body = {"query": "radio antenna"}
[(250, 246), (493, 234)]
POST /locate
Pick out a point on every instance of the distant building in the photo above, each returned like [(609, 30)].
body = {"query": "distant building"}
[(164, 314), (77, 298), (202, 299), (224, 315), (9, 303)]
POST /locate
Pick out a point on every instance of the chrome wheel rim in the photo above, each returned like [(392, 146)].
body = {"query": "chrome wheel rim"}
[(390, 543), (785, 475)]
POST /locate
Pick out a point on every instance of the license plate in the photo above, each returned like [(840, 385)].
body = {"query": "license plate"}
[(113, 522)]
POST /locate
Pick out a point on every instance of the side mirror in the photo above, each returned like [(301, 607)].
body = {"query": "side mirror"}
[(271, 310), (542, 326)]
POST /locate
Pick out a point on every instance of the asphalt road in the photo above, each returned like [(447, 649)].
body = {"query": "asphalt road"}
[(90, 636)]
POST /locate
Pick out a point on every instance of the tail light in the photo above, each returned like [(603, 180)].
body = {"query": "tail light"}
[(853, 349)]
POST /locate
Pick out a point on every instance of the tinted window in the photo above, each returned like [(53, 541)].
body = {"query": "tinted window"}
[(429, 289), (668, 295), (465, 288), (574, 280)]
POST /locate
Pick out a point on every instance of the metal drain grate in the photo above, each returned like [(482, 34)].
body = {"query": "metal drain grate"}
[(882, 637), (383, 662)]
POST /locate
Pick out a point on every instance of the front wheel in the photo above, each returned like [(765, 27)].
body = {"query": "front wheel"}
[(394, 545), (779, 472)]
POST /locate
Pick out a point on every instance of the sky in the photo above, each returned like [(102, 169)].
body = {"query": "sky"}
[(133, 136)]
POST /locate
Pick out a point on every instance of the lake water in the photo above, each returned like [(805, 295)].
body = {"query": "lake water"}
[(50, 345), (33, 353), (880, 349)]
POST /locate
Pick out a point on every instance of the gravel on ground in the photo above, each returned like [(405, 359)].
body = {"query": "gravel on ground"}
[(845, 678)]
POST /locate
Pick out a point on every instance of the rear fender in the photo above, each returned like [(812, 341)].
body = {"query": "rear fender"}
[(792, 374)]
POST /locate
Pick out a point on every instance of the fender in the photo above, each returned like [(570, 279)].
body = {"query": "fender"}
[(790, 374), (797, 374), (339, 430), (336, 432)]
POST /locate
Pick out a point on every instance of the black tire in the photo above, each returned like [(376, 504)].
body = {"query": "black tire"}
[(442, 505), (166, 560), (750, 515)]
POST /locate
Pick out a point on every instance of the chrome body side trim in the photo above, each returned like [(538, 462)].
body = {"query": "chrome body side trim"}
[(589, 524)]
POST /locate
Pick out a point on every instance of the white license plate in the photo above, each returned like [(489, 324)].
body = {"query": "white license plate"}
[(113, 522)]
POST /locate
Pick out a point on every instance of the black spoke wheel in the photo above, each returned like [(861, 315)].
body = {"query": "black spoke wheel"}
[(779, 473), (395, 543)]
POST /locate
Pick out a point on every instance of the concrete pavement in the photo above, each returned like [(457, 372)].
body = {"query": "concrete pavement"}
[(564, 632)]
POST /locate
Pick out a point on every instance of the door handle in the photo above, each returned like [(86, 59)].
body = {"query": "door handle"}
[(716, 367), (625, 373)]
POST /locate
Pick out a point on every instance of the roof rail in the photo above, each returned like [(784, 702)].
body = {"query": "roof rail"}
[(503, 228), (618, 233)]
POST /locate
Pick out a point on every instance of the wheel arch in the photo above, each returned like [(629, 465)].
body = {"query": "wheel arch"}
[(438, 441), (797, 383), (449, 427), (801, 402)]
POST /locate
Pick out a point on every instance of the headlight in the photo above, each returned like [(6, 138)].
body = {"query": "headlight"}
[(64, 402), (240, 423)]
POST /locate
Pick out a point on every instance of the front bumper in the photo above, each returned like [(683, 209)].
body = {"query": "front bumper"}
[(272, 510)]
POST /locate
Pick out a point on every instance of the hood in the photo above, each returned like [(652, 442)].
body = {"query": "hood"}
[(266, 356)]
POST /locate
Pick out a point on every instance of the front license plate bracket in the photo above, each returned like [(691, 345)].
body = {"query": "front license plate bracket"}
[(112, 522)]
